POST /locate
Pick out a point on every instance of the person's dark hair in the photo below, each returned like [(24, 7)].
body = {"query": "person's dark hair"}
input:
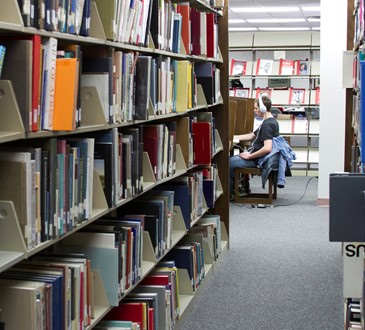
[(266, 101)]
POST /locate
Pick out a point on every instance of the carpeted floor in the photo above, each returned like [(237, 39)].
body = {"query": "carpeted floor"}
[(280, 273)]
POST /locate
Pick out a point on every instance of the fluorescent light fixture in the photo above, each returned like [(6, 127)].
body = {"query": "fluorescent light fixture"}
[(317, 8), (275, 20), (284, 28), (237, 29), (236, 20), (264, 9), (317, 28), (311, 19)]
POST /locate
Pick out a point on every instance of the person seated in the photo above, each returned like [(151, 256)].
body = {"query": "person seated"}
[(261, 146)]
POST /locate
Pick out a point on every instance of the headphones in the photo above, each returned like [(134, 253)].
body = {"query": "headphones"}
[(262, 105)]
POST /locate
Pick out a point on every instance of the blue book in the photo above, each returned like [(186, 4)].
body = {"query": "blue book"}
[(182, 198), (2, 56)]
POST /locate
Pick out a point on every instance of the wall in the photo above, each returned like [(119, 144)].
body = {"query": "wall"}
[(332, 121)]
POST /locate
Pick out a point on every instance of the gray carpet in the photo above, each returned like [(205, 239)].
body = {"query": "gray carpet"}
[(280, 273)]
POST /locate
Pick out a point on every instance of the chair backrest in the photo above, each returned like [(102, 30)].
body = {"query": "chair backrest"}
[(232, 121)]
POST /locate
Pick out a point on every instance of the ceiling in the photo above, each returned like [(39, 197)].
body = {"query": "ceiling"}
[(301, 13)]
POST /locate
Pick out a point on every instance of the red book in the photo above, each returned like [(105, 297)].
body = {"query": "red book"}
[(150, 145), (156, 280), (202, 142), (238, 67), (286, 67), (184, 10), (211, 35), (195, 31), (151, 313), (135, 312)]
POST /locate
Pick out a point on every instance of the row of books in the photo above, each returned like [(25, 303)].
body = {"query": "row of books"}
[(53, 291), (353, 314), (54, 179), (269, 67), (290, 95), (160, 289), (130, 86), (57, 290), (51, 186), (358, 22), (71, 16), (130, 22)]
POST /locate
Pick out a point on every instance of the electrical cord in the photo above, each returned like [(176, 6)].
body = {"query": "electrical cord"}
[(305, 190)]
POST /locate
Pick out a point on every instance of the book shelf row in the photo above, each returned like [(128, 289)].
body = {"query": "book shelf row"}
[(271, 67), (57, 183), (282, 96), (129, 22), (130, 86), (164, 167), (102, 287)]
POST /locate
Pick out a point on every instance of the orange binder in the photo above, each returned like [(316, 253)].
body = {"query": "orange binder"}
[(66, 88)]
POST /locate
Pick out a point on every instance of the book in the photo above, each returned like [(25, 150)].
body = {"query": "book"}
[(49, 81), (241, 92), (296, 96), (286, 67), (302, 67), (65, 96), (2, 57), (202, 142), (135, 312), (318, 95), (238, 67), (142, 87), (24, 295), (184, 10), (195, 26), (263, 91), (264, 66)]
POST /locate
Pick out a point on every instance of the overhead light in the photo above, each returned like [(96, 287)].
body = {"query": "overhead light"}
[(313, 19), (276, 20), (317, 28), (284, 28), (317, 8), (264, 9), (237, 29), (236, 20)]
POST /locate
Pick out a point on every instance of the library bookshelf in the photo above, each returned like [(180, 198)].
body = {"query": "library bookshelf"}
[(57, 220), (275, 69)]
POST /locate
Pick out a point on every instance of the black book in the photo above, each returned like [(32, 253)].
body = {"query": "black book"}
[(142, 84)]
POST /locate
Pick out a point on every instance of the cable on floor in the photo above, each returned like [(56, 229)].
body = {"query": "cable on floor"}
[(305, 190), (272, 206)]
